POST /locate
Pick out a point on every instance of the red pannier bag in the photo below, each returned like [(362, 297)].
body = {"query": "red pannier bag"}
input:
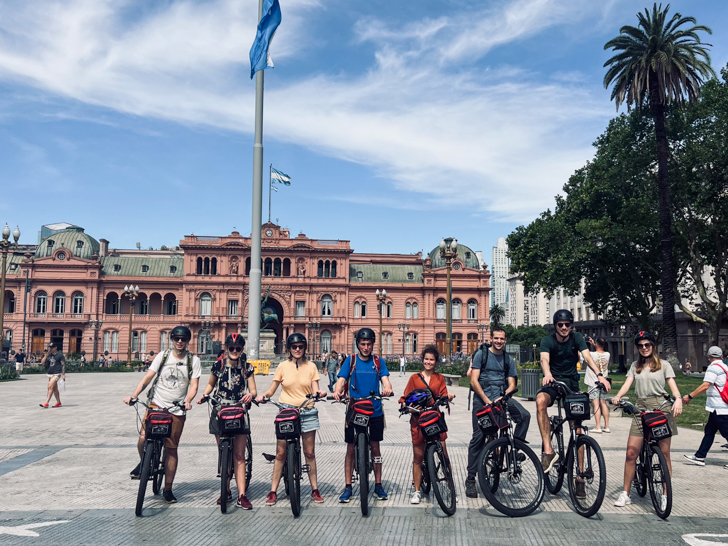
[(432, 423), (655, 426), (231, 420), (288, 424), (359, 412), (491, 419), (159, 424)]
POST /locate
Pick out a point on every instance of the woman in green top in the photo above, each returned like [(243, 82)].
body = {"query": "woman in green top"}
[(649, 375)]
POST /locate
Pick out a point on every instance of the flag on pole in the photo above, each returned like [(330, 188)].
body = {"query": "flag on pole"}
[(259, 54), (278, 176)]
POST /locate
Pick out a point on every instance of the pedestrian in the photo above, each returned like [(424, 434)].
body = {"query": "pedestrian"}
[(148, 360), (332, 362), (599, 397), (402, 366), (55, 365), (687, 367), (716, 404), (82, 361), (19, 359)]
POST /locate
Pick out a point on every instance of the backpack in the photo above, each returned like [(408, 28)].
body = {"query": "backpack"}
[(724, 392), (352, 357), (165, 356)]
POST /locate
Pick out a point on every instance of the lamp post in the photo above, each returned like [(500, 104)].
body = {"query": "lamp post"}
[(96, 326), (207, 325), (622, 331), (404, 327), (314, 327), (448, 250), (5, 245), (534, 352), (130, 292), (481, 331), (25, 305), (381, 298)]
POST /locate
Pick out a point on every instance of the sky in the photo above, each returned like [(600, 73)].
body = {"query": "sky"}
[(399, 122)]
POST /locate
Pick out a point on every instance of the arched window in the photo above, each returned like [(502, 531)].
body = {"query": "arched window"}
[(327, 269), (170, 304), (408, 310), (199, 266), (286, 267), (9, 302), (363, 309), (457, 342), (213, 266), (77, 306), (410, 344), (325, 341), (356, 309), (472, 310), (440, 310), (205, 304), (277, 267), (206, 268), (320, 271), (456, 306), (441, 342), (59, 303), (415, 312), (268, 268), (41, 302), (389, 310), (247, 265), (164, 341), (142, 305), (204, 342), (472, 343), (327, 306), (112, 303), (333, 268), (388, 343)]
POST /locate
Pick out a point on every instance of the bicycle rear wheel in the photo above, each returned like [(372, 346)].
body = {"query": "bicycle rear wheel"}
[(520, 484), (555, 477), (158, 475), (658, 476), (441, 478), (148, 463), (640, 476), (362, 467), (294, 477), (587, 468), (248, 461), (225, 460)]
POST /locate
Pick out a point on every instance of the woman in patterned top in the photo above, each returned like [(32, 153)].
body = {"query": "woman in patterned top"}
[(598, 397), (229, 376)]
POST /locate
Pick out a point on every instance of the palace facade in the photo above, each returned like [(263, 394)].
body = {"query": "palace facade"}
[(318, 287)]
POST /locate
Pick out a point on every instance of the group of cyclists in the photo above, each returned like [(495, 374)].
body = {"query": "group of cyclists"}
[(174, 375)]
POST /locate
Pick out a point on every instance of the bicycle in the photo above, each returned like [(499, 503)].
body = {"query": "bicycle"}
[(436, 465), (651, 466), (158, 427), (510, 474), (231, 421), (358, 413), (288, 428), (583, 460)]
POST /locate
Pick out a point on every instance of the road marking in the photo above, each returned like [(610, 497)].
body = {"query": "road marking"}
[(25, 530), (693, 539)]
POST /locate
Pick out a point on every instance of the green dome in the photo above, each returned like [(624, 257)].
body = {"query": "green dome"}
[(465, 255), (74, 239)]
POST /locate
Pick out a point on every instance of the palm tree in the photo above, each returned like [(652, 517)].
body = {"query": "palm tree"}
[(497, 313), (660, 62)]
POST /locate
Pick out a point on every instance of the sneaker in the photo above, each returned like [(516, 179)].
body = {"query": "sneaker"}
[(724, 446), (725, 466), (244, 503), (692, 459), (580, 490), (316, 496), (135, 473), (663, 503), (346, 495), (606, 430), (416, 497), (169, 496), (521, 456), (58, 405), (597, 431), (548, 461), (623, 500), (272, 499), (229, 497), (43, 405), (470, 490), (379, 492)]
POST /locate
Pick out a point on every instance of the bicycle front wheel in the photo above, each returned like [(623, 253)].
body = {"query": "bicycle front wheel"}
[(148, 463), (294, 477), (658, 476), (362, 468), (640, 476), (159, 473), (441, 479), (520, 483), (587, 476)]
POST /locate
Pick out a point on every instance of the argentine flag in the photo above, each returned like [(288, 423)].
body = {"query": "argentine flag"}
[(259, 54), (278, 176)]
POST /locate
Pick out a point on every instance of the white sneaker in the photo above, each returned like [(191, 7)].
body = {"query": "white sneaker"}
[(692, 459), (663, 503), (623, 499), (416, 497)]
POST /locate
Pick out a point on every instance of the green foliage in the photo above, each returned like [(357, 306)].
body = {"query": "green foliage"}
[(30, 370), (535, 365), (526, 336), (497, 313), (8, 373), (415, 366)]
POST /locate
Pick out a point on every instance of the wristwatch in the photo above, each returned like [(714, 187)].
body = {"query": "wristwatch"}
[(690, 396), (600, 375)]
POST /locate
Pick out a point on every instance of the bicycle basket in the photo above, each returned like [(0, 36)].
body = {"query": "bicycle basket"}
[(231, 420), (159, 424), (359, 412), (655, 426), (577, 407), (288, 424), (432, 423), (491, 419)]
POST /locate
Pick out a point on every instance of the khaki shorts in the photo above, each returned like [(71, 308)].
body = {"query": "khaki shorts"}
[(648, 404), (178, 424)]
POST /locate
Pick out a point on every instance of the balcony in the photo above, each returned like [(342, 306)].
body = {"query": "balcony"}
[(137, 318), (60, 317)]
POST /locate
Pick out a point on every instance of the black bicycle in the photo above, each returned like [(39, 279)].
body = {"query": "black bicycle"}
[(358, 413), (232, 420), (582, 460), (436, 465), (288, 428), (651, 465), (509, 471), (158, 426)]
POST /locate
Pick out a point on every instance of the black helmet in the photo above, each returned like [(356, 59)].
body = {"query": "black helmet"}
[(296, 338), (649, 336), (236, 340), (563, 314), (365, 333), (181, 331)]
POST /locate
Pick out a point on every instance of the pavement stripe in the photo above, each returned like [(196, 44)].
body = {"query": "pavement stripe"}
[(29, 458)]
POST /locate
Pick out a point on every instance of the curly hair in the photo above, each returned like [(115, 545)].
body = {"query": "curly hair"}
[(431, 349)]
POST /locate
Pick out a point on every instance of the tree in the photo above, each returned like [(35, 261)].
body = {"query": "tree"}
[(497, 313), (660, 62)]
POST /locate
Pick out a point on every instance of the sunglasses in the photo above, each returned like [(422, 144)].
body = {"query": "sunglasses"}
[(177, 339), (235, 349), (297, 347), (644, 345), (563, 324)]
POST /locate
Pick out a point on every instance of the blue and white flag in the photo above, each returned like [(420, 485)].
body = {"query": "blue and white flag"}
[(278, 176), (259, 54)]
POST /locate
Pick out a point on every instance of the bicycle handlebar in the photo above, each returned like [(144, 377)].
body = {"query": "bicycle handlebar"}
[(216, 400), (309, 397), (441, 401), (631, 409), (178, 404), (346, 399)]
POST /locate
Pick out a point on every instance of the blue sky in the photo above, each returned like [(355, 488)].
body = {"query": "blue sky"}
[(399, 122)]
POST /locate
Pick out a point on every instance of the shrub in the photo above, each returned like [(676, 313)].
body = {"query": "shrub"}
[(7, 373)]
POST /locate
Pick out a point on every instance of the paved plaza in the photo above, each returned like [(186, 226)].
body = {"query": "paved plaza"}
[(64, 479)]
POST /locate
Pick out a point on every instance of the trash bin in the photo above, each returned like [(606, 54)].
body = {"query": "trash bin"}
[(263, 367), (530, 383)]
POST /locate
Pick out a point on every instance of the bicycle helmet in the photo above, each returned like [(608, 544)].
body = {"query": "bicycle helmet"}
[(418, 397), (182, 331), (649, 336), (235, 340), (365, 334), (563, 315), (296, 338)]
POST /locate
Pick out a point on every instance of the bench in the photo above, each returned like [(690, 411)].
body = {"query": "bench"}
[(449, 378)]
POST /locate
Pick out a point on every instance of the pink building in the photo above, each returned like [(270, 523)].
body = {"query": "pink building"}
[(311, 285)]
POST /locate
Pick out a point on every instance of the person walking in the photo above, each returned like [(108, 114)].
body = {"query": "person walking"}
[(598, 397), (715, 404), (55, 365), (402, 366), (19, 359), (331, 365)]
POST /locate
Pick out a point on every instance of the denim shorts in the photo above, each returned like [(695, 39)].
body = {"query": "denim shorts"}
[(309, 419)]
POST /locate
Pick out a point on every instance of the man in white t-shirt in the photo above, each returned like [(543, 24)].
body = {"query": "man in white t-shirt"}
[(713, 384), (175, 375)]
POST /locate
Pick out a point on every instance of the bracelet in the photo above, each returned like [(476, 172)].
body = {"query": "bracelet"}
[(690, 396)]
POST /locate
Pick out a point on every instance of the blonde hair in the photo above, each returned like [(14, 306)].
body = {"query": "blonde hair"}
[(653, 360)]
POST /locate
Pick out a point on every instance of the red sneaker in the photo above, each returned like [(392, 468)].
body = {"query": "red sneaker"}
[(272, 499), (56, 405), (43, 405), (316, 496), (244, 503)]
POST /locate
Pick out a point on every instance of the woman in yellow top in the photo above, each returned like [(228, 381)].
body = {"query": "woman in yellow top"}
[(299, 377)]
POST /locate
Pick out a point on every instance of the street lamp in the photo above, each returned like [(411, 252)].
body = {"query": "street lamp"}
[(623, 364), (207, 325), (404, 327), (314, 327), (25, 306), (96, 326), (130, 292), (5, 245), (381, 298), (482, 328), (448, 251)]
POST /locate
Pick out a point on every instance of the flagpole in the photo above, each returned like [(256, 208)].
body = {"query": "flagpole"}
[(270, 186), (255, 252)]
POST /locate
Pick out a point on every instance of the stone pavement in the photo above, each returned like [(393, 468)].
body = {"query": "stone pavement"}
[(64, 478)]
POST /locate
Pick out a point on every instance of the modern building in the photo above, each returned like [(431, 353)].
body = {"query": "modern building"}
[(318, 287), (500, 270)]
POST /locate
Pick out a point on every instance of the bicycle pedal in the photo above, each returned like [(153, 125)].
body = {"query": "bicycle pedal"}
[(305, 468)]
